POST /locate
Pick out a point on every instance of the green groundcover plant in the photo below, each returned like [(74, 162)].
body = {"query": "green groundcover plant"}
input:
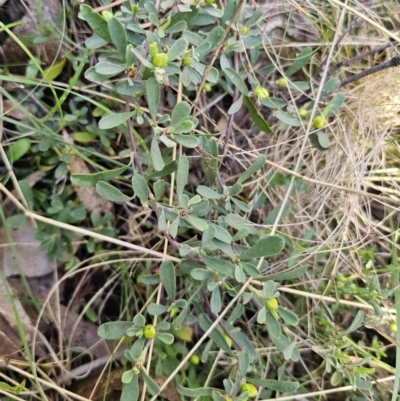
[(161, 58)]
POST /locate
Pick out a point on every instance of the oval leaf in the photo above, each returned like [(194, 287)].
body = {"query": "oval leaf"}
[(140, 187), (264, 247), (237, 80), (113, 120), (207, 192), (153, 96), (277, 385), (90, 180), (168, 278), (256, 117), (177, 49), (109, 192), (114, 330), (118, 36), (219, 265)]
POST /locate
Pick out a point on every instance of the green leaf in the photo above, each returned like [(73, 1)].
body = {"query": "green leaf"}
[(187, 141), (282, 386), (113, 330), (113, 120), (300, 61), (215, 36), (18, 149), (109, 192), (239, 274), (153, 94), (262, 315), (219, 265), (166, 338), (178, 27), (180, 113), (90, 180), (257, 165), (194, 392), (83, 137), (168, 169), (290, 274), (237, 80), (273, 214), (173, 228), (335, 104), (208, 235), (182, 174), (146, 63), (183, 128), (162, 221), (207, 192), (130, 391), (256, 117), (168, 279), (274, 330), (222, 234), (137, 347), (288, 316), (118, 36), (14, 389), (157, 309), (158, 189), (109, 69), (96, 22), (264, 247), (236, 189), (140, 187), (150, 279), (239, 223), (215, 300), (288, 119), (320, 141), (215, 335), (355, 324), (209, 161), (251, 270), (196, 222), (269, 288), (200, 274), (156, 155), (236, 106), (177, 49), (95, 42), (246, 344), (213, 75), (127, 376), (363, 383), (152, 386), (243, 363), (16, 221)]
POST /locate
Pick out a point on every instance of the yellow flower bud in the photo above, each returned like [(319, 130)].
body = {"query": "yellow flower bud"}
[(271, 304), (250, 388), (319, 122), (149, 331), (261, 93), (160, 60)]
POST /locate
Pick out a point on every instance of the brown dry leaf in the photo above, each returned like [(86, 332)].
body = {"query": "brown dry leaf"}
[(10, 342), (24, 253), (28, 14), (88, 196), (77, 333), (83, 335), (111, 387)]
